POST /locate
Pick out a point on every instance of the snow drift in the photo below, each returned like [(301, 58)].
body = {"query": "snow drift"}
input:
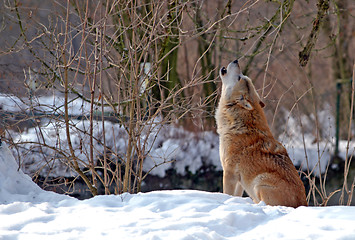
[(28, 212), (15, 185)]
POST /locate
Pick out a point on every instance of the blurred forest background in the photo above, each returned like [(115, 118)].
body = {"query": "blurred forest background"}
[(150, 61)]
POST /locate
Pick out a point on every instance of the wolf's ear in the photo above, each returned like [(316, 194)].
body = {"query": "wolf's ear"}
[(252, 92), (244, 103), (262, 104)]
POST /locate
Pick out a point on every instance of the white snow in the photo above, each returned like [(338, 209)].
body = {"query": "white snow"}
[(15, 185), (171, 147), (28, 212), (52, 103), (300, 137)]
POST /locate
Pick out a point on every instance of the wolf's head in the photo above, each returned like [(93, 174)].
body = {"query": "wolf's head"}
[(238, 88)]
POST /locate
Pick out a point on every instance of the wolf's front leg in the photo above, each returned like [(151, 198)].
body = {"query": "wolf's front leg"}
[(231, 184), (239, 190)]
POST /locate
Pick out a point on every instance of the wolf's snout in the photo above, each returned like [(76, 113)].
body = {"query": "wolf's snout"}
[(235, 62)]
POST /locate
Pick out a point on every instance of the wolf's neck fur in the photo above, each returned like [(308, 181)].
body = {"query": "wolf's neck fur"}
[(232, 115)]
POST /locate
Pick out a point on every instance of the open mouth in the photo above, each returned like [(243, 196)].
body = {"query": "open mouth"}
[(223, 71)]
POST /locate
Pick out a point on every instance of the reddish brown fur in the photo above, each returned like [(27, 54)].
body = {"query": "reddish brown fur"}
[(251, 158)]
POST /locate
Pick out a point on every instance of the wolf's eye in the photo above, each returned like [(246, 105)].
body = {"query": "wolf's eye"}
[(223, 71)]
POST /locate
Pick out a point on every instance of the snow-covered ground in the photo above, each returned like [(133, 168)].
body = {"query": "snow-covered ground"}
[(28, 212)]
